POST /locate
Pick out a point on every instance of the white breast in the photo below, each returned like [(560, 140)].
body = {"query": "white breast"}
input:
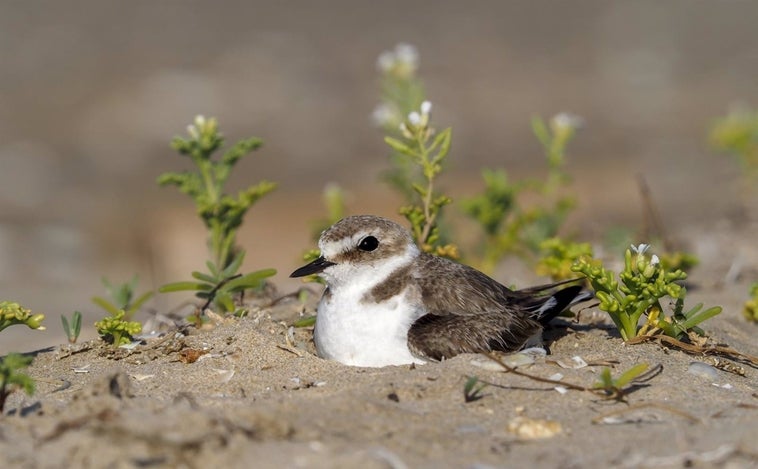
[(356, 331)]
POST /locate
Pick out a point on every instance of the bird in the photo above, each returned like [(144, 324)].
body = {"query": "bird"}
[(387, 302)]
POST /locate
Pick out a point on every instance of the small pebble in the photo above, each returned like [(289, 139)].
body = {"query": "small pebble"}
[(224, 375), (575, 363), (82, 369), (703, 370), (723, 386), (141, 377), (535, 352), (531, 429)]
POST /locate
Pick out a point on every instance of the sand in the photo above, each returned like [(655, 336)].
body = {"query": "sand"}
[(256, 395)]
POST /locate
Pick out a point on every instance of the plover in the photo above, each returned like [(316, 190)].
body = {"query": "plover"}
[(388, 303)]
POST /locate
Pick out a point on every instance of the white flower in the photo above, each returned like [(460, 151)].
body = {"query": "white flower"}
[(196, 128), (641, 249), (654, 260), (406, 54), (414, 118), (383, 115), (566, 120), (385, 61), (426, 107)]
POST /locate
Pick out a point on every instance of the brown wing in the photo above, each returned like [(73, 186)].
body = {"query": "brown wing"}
[(445, 336), (469, 312), (447, 287)]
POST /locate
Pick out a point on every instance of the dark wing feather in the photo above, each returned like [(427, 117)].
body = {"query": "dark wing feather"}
[(457, 289), (469, 312)]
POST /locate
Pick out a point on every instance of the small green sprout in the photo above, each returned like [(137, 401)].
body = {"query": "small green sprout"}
[(13, 313), (472, 389), (509, 225), (219, 287), (73, 328), (638, 290), (222, 213), (307, 321), (750, 310), (122, 298), (614, 387), (11, 378), (681, 322), (118, 328), (558, 255)]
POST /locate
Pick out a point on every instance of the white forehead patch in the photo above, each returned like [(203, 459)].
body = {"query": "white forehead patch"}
[(331, 249)]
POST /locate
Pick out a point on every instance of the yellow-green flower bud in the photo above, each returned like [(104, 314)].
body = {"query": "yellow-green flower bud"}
[(35, 322)]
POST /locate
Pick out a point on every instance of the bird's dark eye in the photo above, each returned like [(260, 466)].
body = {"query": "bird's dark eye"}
[(369, 243)]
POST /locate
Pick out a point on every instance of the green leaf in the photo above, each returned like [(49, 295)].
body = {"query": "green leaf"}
[(697, 318), (212, 268), (137, 304), (667, 328), (627, 376), (606, 381), (307, 321), (106, 305), (540, 131), (77, 319), (472, 389), (185, 286), (399, 146), (66, 328), (203, 277), (420, 190), (225, 300), (233, 266), (442, 139), (251, 280), (240, 149), (10, 373)]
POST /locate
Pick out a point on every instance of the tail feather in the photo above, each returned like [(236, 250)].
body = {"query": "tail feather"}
[(547, 301), (560, 301)]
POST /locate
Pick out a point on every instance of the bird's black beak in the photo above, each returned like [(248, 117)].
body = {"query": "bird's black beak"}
[(313, 268)]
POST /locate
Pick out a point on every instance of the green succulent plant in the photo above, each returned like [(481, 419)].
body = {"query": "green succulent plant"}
[(638, 291)]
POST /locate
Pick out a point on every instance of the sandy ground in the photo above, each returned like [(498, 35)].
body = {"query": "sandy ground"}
[(259, 397)]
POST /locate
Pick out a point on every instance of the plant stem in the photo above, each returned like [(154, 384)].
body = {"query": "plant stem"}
[(427, 200)]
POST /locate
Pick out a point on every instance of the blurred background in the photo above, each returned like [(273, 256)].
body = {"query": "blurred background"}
[(91, 93)]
